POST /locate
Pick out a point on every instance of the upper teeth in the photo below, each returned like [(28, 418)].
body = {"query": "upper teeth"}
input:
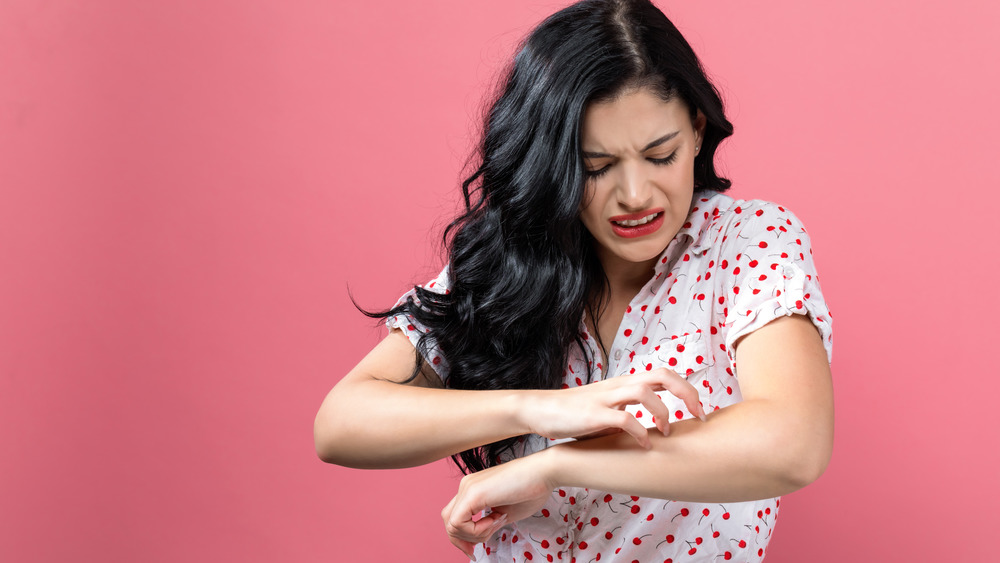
[(636, 222)]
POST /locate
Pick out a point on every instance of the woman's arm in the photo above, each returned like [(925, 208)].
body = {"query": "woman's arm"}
[(368, 420), (777, 440)]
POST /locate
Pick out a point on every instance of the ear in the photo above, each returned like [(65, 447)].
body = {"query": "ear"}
[(699, 127)]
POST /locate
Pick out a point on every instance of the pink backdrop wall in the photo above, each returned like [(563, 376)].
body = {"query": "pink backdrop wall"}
[(187, 189)]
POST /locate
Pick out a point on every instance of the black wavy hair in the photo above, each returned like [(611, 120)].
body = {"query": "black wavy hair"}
[(522, 266)]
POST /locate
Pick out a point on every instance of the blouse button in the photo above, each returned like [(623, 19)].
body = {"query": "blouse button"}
[(618, 354)]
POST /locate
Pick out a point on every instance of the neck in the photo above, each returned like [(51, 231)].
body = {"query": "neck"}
[(625, 278)]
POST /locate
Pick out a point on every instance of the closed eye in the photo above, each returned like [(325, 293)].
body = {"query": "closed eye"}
[(658, 161)]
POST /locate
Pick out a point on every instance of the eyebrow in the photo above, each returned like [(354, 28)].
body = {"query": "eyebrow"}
[(655, 143)]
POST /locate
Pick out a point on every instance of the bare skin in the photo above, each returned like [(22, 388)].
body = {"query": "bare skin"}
[(778, 439)]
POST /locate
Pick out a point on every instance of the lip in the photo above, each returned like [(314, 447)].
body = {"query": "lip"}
[(639, 230), (636, 216)]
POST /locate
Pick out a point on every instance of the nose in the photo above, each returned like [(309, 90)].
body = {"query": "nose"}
[(634, 189)]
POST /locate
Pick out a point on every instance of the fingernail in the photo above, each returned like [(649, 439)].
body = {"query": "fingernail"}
[(703, 417)]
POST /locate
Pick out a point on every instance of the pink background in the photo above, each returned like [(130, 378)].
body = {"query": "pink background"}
[(188, 188)]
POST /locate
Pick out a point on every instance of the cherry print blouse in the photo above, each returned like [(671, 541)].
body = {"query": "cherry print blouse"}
[(734, 266)]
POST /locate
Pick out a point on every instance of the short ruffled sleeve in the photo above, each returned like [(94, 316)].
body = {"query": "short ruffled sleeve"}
[(414, 330), (770, 273)]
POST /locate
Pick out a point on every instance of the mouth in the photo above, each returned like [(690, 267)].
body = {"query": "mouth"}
[(637, 224)]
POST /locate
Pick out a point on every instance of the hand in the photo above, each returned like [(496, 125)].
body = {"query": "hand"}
[(597, 408), (511, 491)]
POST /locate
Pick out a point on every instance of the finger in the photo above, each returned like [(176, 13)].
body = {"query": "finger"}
[(446, 511), (468, 548), (629, 424), (682, 389), (657, 408)]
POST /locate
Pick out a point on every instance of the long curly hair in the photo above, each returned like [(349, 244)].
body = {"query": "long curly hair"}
[(522, 266)]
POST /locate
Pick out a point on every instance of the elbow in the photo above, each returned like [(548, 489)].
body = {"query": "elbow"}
[(808, 460), (325, 441)]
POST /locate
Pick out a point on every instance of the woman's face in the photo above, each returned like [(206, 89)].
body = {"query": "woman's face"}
[(639, 154)]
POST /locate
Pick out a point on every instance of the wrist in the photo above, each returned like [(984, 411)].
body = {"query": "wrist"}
[(525, 407)]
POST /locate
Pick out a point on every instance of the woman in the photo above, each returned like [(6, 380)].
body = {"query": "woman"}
[(626, 363)]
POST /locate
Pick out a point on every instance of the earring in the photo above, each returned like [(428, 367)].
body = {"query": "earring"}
[(696, 149)]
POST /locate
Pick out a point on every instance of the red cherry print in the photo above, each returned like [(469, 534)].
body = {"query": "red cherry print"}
[(762, 277), (672, 362), (637, 541), (760, 552), (767, 511), (583, 545), (736, 271), (743, 543), (715, 534), (488, 550), (635, 509), (774, 266), (760, 212), (548, 557), (729, 390), (726, 515), (698, 540), (594, 521), (679, 415), (692, 551), (545, 544), (760, 514), (608, 535), (572, 500), (638, 414), (728, 556), (411, 327), (656, 311), (634, 498), (649, 518), (753, 263), (545, 512), (560, 541), (645, 340), (724, 264), (686, 257), (527, 555), (798, 304), (562, 493), (699, 360), (684, 511), (670, 539), (738, 210), (762, 244), (437, 360), (643, 308), (513, 539), (649, 367), (672, 300), (628, 332), (607, 498), (680, 347), (503, 537)]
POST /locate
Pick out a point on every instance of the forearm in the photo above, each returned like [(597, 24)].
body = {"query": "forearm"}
[(377, 424), (743, 452)]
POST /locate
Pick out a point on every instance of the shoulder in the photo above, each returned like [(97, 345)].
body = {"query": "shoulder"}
[(756, 222)]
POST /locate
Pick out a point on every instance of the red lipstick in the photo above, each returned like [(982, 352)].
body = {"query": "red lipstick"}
[(639, 230)]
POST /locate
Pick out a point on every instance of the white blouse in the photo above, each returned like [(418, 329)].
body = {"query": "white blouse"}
[(733, 267)]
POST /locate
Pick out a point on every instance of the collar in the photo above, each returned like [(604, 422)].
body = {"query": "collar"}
[(693, 237)]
